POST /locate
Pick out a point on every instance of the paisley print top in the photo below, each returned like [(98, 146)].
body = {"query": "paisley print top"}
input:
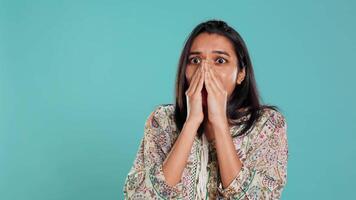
[(263, 151)]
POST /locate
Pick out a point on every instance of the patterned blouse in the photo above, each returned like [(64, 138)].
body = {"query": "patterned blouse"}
[(263, 151)]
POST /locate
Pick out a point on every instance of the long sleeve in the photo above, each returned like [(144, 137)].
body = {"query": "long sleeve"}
[(145, 179), (264, 172)]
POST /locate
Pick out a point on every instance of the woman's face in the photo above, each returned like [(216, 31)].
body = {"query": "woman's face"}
[(219, 52)]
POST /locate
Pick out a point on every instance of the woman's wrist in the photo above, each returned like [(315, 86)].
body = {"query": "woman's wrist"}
[(191, 124)]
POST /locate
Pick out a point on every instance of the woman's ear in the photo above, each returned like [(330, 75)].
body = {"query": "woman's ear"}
[(241, 76)]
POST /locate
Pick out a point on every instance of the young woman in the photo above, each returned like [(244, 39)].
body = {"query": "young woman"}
[(217, 141)]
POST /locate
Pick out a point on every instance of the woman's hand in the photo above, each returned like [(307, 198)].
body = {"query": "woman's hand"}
[(194, 98), (217, 97)]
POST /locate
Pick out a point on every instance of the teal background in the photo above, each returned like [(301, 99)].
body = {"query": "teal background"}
[(79, 78)]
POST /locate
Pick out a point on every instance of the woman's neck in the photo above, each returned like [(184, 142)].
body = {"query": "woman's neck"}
[(208, 130), (208, 127)]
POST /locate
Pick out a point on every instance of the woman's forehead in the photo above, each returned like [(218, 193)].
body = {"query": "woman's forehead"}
[(207, 43)]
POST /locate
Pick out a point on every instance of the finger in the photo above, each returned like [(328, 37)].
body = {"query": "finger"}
[(207, 78), (194, 79), (208, 83), (212, 83), (216, 81), (199, 87)]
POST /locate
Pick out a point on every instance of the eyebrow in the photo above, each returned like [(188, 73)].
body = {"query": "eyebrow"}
[(215, 51)]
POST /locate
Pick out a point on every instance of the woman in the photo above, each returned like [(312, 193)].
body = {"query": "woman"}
[(217, 141)]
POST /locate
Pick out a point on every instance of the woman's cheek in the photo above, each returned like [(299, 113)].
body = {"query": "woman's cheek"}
[(188, 74), (228, 80), (231, 75), (190, 71)]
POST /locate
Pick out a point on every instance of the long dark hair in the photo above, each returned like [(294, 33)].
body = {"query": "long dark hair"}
[(245, 95)]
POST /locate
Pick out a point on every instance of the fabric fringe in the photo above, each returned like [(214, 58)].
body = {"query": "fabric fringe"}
[(203, 173)]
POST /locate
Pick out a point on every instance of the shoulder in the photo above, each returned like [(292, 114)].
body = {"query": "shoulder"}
[(163, 110), (269, 131), (161, 116), (274, 129), (160, 128), (274, 117), (267, 145), (270, 126)]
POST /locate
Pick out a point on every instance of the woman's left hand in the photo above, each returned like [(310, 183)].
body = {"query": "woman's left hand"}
[(217, 97)]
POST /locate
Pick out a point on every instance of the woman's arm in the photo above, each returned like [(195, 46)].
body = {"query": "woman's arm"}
[(145, 179), (229, 162), (177, 158), (154, 173), (263, 174)]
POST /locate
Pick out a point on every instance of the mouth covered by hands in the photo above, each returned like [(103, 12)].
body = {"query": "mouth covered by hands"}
[(216, 95), (206, 91)]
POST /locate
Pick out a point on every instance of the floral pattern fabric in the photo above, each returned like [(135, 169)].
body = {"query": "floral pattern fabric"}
[(263, 151)]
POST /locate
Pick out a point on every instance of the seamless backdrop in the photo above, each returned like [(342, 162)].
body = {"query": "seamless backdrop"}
[(79, 78)]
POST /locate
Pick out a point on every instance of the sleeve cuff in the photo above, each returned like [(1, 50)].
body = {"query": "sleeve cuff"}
[(161, 186), (239, 185)]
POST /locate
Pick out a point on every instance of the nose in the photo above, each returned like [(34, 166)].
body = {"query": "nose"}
[(205, 64), (205, 60)]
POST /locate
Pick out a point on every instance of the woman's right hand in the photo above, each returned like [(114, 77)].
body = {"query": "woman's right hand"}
[(194, 97)]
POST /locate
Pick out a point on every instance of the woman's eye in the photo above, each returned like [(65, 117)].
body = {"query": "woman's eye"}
[(221, 60), (194, 60)]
